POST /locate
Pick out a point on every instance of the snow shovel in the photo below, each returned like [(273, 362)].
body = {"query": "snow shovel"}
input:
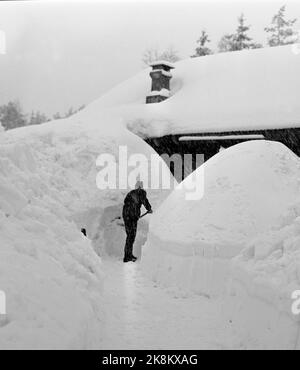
[(120, 223), (144, 214)]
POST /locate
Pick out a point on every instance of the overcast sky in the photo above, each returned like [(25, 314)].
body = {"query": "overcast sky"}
[(62, 53)]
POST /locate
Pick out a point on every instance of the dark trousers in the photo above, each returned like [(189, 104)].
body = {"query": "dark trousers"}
[(130, 228)]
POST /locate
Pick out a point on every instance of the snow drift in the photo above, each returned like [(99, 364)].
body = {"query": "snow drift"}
[(51, 276), (263, 278), (50, 273), (239, 242), (245, 194)]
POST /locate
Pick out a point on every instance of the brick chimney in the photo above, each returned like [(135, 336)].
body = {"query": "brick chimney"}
[(160, 75)]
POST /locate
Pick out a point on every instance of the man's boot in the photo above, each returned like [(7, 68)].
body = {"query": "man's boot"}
[(127, 259)]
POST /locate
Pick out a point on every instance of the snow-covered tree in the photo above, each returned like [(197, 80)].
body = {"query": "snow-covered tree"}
[(202, 49), (153, 54), (36, 118), (12, 116), (281, 29), (2, 129), (150, 55), (239, 40), (170, 55), (227, 43), (70, 112), (56, 115), (242, 39)]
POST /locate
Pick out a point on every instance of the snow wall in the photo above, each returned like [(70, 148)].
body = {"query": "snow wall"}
[(263, 278), (50, 273), (202, 246)]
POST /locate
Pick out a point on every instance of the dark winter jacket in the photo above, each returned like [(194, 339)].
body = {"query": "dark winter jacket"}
[(133, 202)]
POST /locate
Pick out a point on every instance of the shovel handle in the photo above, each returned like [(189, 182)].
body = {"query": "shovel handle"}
[(144, 214)]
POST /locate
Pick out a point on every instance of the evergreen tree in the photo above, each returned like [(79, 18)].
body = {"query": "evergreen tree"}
[(202, 49), (239, 40), (281, 30), (36, 118), (227, 43), (32, 118), (242, 40), (12, 116), (69, 113), (81, 107), (57, 115)]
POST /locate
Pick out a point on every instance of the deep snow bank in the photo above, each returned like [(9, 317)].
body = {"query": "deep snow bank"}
[(263, 278), (51, 275), (247, 189)]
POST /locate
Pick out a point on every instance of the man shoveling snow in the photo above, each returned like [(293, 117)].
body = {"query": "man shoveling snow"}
[(131, 213)]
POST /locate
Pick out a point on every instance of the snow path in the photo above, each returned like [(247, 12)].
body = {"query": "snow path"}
[(142, 315)]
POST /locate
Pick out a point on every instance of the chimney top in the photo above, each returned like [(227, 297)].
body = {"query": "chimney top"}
[(160, 75), (162, 64)]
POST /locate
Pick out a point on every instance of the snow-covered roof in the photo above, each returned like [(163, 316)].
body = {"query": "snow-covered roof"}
[(243, 90)]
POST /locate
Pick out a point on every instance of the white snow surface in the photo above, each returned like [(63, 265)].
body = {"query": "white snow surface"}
[(140, 314), (162, 92), (160, 62), (239, 242), (50, 273), (263, 277), (51, 276), (244, 193), (222, 92)]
